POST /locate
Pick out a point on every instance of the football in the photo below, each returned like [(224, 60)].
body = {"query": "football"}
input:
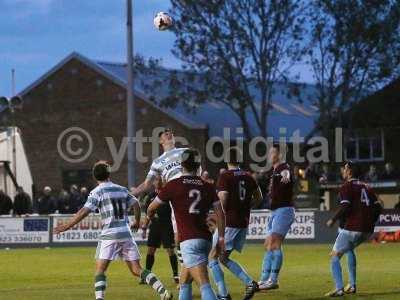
[(163, 21)]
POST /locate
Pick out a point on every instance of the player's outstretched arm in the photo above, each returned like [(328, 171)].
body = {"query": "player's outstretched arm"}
[(79, 216), (144, 187), (257, 198)]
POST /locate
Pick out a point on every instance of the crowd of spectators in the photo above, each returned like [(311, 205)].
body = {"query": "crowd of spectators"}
[(47, 203)]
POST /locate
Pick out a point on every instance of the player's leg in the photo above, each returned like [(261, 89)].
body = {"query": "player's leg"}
[(153, 243), (358, 238), (195, 258), (216, 270), (279, 227), (352, 268), (100, 278), (130, 254), (173, 261), (235, 239), (268, 255), (106, 251), (200, 276), (168, 242), (275, 247), (185, 291), (150, 257), (342, 245)]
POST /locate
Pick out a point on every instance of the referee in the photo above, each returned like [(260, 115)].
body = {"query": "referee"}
[(160, 232)]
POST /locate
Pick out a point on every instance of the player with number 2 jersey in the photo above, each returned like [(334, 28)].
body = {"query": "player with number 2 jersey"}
[(191, 199)]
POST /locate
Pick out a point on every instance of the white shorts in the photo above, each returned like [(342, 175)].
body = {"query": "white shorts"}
[(126, 250)]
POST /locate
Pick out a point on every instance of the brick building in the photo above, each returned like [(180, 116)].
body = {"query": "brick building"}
[(91, 95), (77, 92)]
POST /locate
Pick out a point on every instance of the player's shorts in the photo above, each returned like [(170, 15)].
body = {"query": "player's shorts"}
[(349, 240), (195, 252), (126, 250), (235, 238), (281, 220), (161, 233)]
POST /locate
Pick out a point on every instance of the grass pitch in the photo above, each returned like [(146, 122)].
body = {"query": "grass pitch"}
[(67, 273)]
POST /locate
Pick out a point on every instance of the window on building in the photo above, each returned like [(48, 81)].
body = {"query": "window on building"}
[(365, 147)]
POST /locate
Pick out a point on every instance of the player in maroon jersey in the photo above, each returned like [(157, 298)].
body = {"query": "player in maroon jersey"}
[(191, 199), (282, 217), (361, 208), (238, 192)]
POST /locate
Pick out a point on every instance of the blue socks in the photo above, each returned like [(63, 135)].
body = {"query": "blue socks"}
[(267, 265), (272, 264), (276, 264), (238, 271), (352, 266), (207, 292), (218, 276), (337, 272), (185, 291)]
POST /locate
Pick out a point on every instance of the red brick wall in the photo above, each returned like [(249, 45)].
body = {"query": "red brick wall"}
[(72, 96)]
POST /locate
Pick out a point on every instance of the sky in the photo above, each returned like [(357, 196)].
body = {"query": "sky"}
[(36, 34)]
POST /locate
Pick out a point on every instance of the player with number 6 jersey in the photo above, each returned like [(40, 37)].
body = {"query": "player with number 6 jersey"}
[(191, 199), (238, 193), (360, 208)]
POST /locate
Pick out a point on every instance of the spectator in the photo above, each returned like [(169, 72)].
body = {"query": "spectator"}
[(74, 199), (397, 206), (339, 175), (389, 173), (6, 204), (326, 175), (83, 196), (296, 173), (63, 202), (310, 173), (371, 175), (46, 204), (22, 202), (206, 177)]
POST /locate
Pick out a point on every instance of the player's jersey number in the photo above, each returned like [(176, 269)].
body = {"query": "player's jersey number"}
[(118, 209), (195, 197), (364, 197)]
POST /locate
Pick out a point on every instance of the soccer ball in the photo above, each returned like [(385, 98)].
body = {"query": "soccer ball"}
[(162, 21)]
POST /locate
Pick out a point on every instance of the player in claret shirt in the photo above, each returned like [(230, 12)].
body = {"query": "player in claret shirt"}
[(238, 192), (281, 195), (191, 199), (361, 208)]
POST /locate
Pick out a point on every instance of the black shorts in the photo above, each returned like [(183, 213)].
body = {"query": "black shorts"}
[(161, 233)]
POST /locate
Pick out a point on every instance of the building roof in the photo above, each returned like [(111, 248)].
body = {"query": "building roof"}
[(291, 113)]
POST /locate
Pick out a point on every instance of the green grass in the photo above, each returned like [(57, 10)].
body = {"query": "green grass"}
[(67, 273)]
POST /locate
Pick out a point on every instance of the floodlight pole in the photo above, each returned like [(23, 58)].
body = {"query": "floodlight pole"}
[(130, 99), (14, 124)]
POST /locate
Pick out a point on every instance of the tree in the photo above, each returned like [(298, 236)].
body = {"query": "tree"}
[(354, 50), (229, 50)]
